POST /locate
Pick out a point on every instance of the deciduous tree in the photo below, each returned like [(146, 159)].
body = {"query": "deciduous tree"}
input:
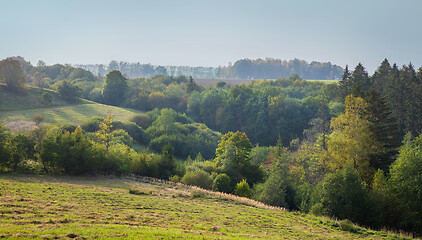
[(12, 74)]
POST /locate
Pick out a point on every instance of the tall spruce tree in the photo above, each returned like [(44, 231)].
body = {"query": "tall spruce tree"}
[(344, 84), (385, 130), (412, 101), (380, 78), (361, 82)]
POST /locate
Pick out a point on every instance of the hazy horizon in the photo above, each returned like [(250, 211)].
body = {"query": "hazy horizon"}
[(212, 33)]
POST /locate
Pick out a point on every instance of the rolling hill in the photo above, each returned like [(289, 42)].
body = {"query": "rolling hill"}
[(55, 207), (17, 109)]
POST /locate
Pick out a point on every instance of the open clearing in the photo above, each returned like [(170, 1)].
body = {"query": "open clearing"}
[(49, 207), (20, 107), (69, 114)]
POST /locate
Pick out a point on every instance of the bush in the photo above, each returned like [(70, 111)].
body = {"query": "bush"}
[(67, 90), (242, 189), (175, 178), (142, 120), (137, 133), (348, 226), (47, 97), (67, 127), (342, 195), (222, 183), (198, 178), (92, 124), (37, 118)]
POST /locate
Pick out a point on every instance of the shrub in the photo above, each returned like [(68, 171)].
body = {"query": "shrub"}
[(222, 183), (137, 133), (47, 97), (92, 124), (342, 195), (175, 178), (142, 120), (138, 192), (67, 127), (67, 90), (348, 226), (198, 178), (37, 118), (242, 189)]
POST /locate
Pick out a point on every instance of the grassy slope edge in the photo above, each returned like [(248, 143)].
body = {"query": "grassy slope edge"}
[(22, 106), (34, 206)]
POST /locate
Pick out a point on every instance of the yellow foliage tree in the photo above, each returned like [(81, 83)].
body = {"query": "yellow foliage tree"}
[(352, 142)]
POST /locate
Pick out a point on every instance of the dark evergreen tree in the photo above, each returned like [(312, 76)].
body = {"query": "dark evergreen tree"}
[(381, 77), (191, 86), (345, 84), (168, 163), (412, 100), (361, 82), (385, 130)]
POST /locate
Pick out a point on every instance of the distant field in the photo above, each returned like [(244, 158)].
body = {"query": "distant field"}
[(323, 81), (49, 207), (213, 82), (20, 107), (69, 114), (27, 99)]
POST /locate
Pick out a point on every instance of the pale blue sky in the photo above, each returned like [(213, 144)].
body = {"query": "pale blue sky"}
[(212, 33)]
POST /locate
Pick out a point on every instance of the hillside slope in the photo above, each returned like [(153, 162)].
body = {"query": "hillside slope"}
[(22, 106), (87, 207)]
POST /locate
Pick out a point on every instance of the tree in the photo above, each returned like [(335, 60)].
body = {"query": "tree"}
[(115, 86), (385, 129), (242, 189), (12, 74), (352, 141), (37, 118), (345, 83), (69, 153), (21, 147), (198, 178), (232, 155), (168, 163), (342, 195), (406, 184), (67, 90), (47, 97), (278, 190), (222, 183), (381, 75), (191, 86), (4, 148), (104, 133), (360, 80)]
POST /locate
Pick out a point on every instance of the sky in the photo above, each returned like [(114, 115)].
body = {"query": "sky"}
[(212, 33)]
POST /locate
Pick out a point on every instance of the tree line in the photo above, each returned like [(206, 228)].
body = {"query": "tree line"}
[(267, 68)]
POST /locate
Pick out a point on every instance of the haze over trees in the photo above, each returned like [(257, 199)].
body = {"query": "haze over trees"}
[(267, 68)]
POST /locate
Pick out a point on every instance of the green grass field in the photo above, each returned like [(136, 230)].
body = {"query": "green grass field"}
[(49, 207), (22, 106), (77, 113)]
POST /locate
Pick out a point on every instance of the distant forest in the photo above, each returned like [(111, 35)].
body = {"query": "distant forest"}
[(267, 68)]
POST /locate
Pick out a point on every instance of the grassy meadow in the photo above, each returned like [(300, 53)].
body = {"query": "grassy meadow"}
[(62, 207), (22, 106)]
